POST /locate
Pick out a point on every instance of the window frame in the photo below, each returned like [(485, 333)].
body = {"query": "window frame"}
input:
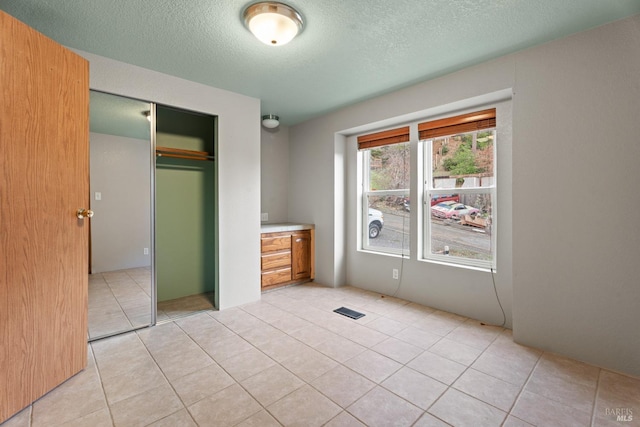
[(428, 191), (367, 192)]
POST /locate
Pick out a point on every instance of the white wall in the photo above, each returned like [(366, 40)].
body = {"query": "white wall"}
[(121, 227), (274, 173), (237, 160), (567, 275)]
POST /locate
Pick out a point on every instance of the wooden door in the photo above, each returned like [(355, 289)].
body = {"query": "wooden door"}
[(301, 255), (44, 180)]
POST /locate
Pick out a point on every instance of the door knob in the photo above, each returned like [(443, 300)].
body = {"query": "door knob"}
[(84, 213)]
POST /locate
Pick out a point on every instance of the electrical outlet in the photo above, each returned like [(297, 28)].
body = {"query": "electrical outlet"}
[(98, 195), (146, 251), (264, 216), (395, 273)]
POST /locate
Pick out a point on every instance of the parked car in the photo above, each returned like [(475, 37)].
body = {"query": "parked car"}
[(444, 198), (434, 200), (452, 209), (376, 221)]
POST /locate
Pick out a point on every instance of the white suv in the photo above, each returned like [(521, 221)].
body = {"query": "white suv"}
[(376, 221)]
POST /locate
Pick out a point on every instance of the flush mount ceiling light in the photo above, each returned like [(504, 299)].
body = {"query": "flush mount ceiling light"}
[(270, 121), (273, 23)]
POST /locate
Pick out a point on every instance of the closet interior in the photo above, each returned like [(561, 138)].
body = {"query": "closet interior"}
[(184, 211)]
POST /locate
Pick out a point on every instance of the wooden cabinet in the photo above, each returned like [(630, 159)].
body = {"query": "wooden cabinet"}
[(286, 258)]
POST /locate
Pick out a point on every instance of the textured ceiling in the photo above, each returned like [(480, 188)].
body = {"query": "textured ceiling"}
[(350, 50)]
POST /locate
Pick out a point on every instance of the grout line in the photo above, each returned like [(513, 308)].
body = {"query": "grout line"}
[(515, 401), (595, 399), (104, 393)]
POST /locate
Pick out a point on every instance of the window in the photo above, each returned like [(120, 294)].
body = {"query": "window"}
[(460, 189), (385, 182)]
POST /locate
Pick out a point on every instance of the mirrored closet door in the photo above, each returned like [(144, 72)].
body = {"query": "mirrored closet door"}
[(121, 291)]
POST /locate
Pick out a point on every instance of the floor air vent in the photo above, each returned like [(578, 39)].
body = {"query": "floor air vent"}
[(348, 312)]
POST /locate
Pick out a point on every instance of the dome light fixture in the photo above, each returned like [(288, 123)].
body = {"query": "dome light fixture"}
[(270, 121), (273, 23)]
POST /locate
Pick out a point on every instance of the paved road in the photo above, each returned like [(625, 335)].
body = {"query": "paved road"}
[(395, 234)]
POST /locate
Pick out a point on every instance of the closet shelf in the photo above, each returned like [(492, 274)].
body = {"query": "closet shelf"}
[(179, 153)]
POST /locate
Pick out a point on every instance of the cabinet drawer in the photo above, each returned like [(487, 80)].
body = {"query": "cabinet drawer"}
[(276, 276), (276, 259), (280, 243)]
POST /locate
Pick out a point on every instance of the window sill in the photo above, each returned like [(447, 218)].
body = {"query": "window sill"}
[(459, 265), (390, 254)]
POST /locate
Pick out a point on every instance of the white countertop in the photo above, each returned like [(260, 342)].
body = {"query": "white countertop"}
[(285, 226)]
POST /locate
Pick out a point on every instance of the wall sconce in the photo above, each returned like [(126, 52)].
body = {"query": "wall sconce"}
[(273, 23), (270, 121)]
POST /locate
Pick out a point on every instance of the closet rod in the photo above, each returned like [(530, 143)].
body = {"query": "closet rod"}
[(183, 156)]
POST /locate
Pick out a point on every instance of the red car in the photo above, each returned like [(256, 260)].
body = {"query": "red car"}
[(452, 209), (434, 200)]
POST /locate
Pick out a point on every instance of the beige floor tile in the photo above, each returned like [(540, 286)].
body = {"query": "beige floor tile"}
[(260, 419), (261, 334), (364, 335), (304, 407), (339, 348), (161, 336), (309, 364), (289, 323), (120, 355), (381, 408), (101, 418), (264, 311), (397, 350), (21, 419), (491, 390), (343, 385), (180, 360), (617, 391), (439, 323), (418, 337), (514, 370), (415, 387), (237, 320), (373, 366), (202, 324), (455, 351), (387, 326), (201, 383), (141, 380), (459, 409), (77, 397), (561, 388), (246, 364), (312, 335), (475, 334), (225, 408), (271, 384), (145, 408), (512, 421), (553, 365), (437, 367), (225, 348), (428, 420), (282, 348), (344, 419), (540, 411), (177, 419)]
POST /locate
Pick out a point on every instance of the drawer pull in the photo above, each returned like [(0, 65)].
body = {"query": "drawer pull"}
[(298, 240)]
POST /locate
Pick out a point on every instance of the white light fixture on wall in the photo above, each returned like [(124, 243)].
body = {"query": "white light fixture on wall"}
[(270, 121), (273, 23)]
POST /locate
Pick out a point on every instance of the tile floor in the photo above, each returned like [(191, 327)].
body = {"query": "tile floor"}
[(289, 360), (121, 301)]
